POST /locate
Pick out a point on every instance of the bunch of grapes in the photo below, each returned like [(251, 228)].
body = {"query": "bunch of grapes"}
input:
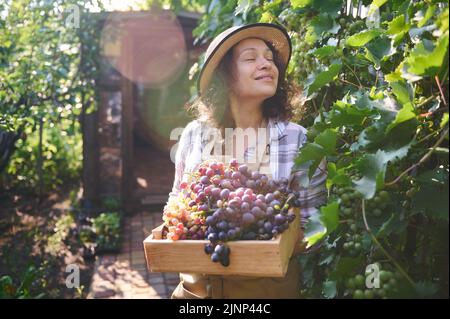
[(229, 202), (303, 61), (389, 283)]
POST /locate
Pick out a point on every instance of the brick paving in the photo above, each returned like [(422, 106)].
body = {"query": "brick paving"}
[(125, 275)]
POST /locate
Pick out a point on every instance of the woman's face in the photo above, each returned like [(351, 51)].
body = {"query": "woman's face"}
[(254, 73)]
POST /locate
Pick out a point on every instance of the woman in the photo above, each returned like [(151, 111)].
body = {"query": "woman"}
[(242, 90)]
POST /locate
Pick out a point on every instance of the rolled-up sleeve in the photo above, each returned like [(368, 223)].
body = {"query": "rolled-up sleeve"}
[(184, 145)]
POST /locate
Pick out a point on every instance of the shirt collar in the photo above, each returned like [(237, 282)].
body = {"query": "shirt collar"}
[(276, 128)]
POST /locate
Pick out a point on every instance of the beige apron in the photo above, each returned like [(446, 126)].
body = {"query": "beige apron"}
[(198, 286)]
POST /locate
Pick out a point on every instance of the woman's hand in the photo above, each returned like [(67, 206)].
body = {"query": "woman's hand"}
[(300, 246)]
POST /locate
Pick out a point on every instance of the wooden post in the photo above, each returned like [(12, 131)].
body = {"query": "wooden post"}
[(91, 166), (127, 133)]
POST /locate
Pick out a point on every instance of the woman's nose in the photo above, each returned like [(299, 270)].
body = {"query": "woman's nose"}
[(264, 64)]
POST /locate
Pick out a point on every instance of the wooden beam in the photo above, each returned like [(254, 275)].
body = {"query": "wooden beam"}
[(91, 167), (127, 89)]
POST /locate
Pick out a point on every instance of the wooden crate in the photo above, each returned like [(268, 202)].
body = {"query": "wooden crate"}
[(259, 258)]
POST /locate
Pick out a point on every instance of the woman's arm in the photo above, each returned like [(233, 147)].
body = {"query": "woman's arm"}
[(184, 145)]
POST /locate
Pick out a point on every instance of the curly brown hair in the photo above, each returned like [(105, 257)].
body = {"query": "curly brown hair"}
[(213, 105)]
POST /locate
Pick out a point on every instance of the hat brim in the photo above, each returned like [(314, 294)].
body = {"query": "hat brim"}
[(272, 33)]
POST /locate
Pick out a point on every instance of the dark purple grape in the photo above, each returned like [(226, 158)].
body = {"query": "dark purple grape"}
[(225, 261), (245, 207), (257, 212), (255, 175), (209, 248), (224, 194), (212, 237), (279, 219), (230, 212), (268, 226), (223, 236), (222, 225), (220, 249), (248, 219), (217, 214), (250, 184), (243, 169), (215, 257), (270, 212), (210, 220), (231, 234)]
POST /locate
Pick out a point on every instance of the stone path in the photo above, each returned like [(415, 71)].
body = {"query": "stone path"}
[(125, 275)]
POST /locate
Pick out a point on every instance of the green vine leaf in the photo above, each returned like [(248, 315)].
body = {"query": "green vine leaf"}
[(360, 39), (426, 59), (317, 81)]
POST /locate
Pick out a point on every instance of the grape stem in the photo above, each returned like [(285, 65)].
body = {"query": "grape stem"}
[(353, 71), (375, 240), (421, 161), (351, 83), (440, 89), (426, 101)]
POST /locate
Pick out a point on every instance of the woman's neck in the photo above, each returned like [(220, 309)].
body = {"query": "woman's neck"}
[(247, 114)]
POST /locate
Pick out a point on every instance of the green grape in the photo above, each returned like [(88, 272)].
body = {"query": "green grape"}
[(369, 294), (358, 294), (350, 284), (347, 211), (377, 212), (360, 281)]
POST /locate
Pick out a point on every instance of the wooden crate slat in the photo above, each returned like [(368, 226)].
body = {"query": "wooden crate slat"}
[(265, 258)]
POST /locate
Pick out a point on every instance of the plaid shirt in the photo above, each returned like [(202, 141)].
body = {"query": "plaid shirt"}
[(286, 140)]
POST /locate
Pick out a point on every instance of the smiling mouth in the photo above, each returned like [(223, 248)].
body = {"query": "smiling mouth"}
[(267, 77)]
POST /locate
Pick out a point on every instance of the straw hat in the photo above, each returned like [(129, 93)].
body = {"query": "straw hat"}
[(272, 33)]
